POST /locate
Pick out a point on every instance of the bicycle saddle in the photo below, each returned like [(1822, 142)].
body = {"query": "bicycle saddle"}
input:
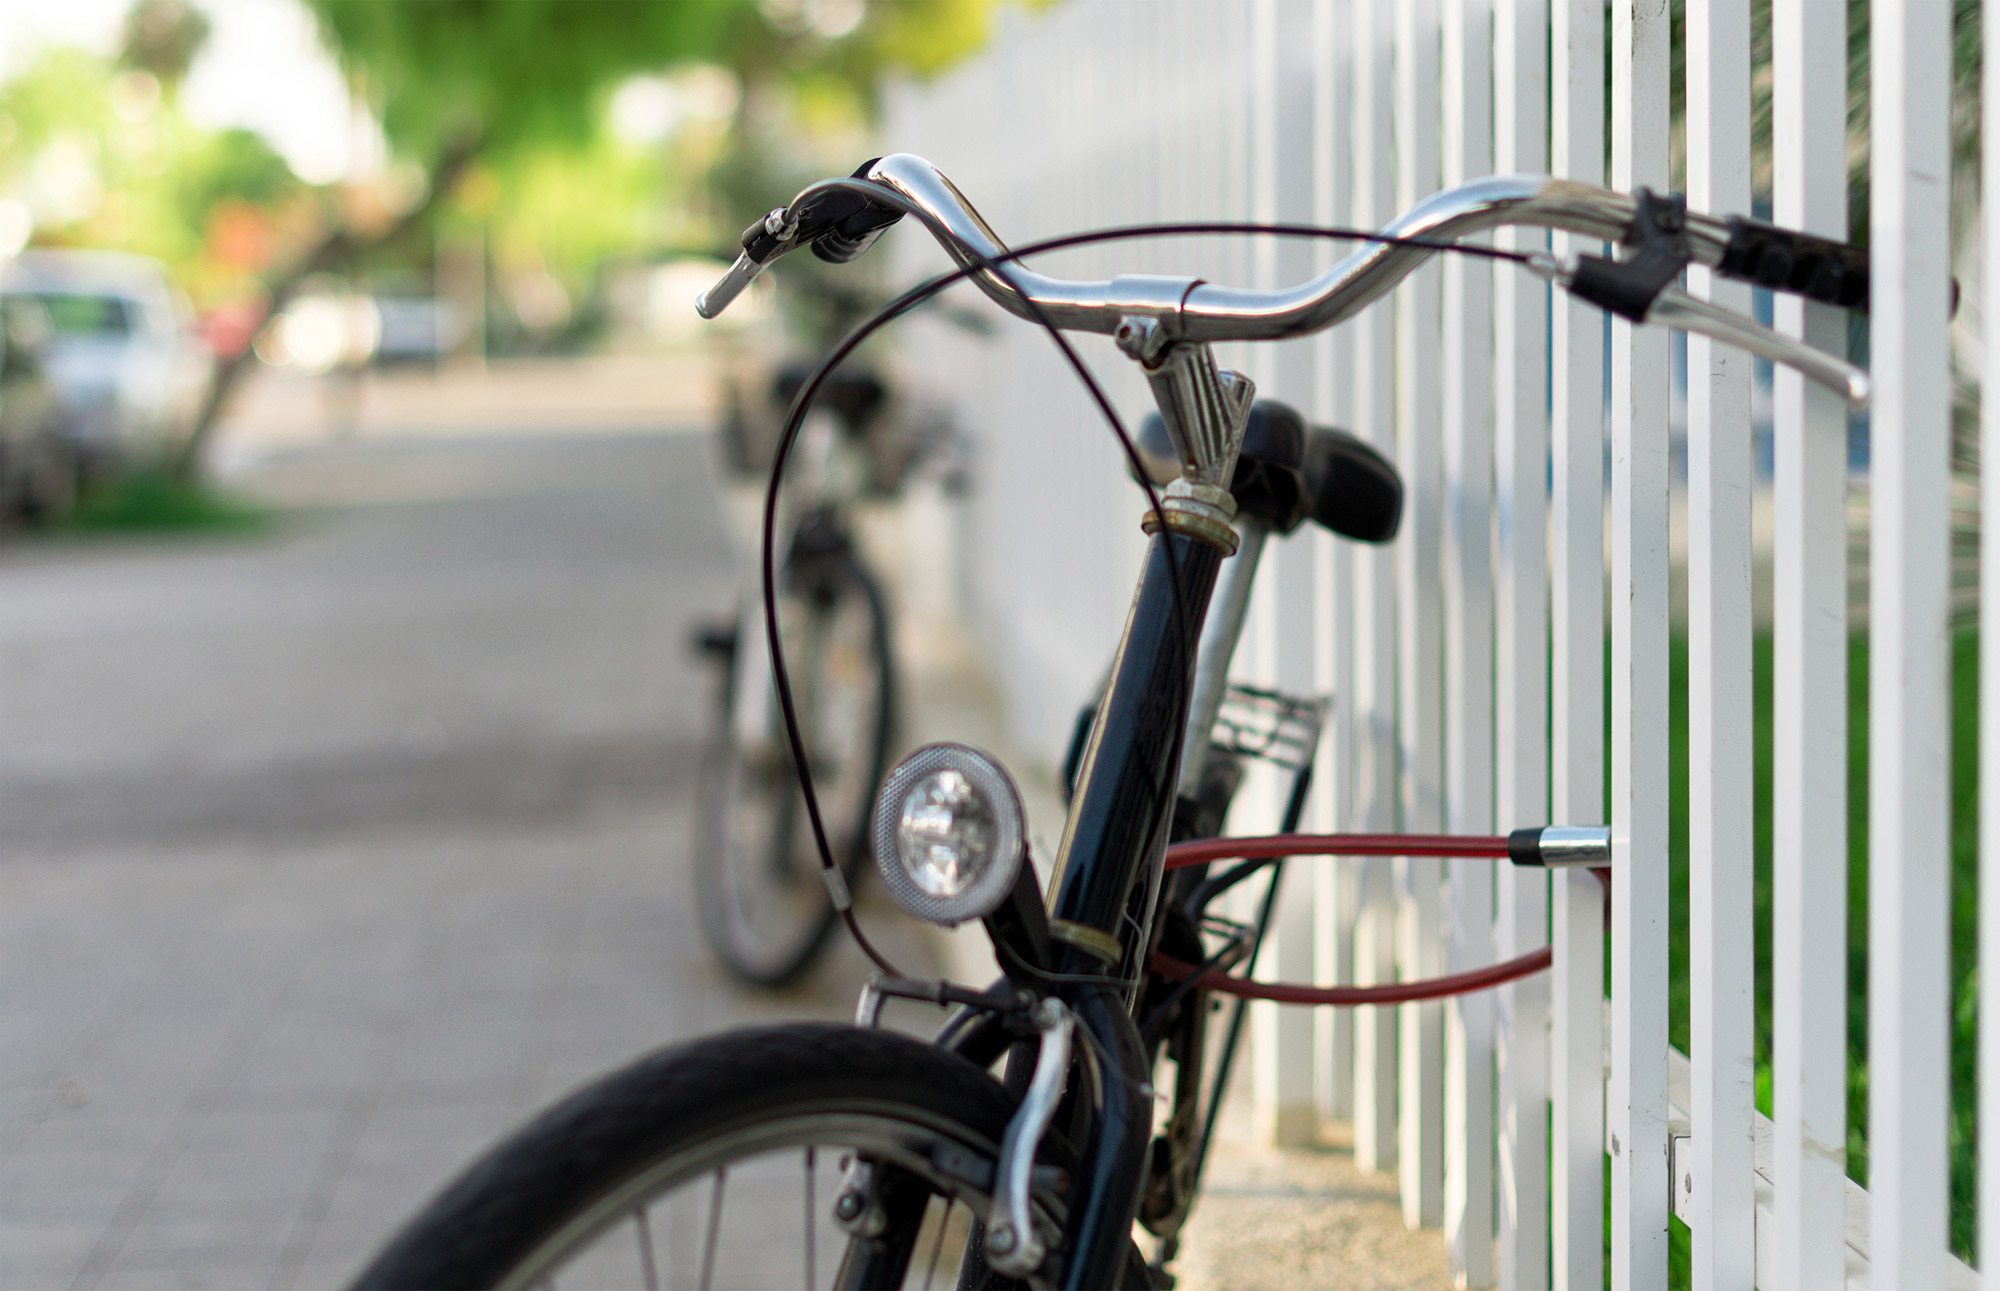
[(1290, 471), (853, 397)]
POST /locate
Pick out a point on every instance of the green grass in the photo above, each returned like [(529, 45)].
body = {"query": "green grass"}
[(154, 501), (1964, 948)]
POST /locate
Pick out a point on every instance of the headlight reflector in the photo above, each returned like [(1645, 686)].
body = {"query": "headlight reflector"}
[(948, 833)]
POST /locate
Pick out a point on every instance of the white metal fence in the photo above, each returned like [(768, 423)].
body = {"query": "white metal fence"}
[(1470, 659)]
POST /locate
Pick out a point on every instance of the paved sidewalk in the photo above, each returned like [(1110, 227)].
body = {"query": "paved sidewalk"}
[(328, 854), (600, 393), (1275, 1219)]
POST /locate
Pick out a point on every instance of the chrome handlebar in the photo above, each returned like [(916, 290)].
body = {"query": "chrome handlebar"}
[(1191, 310)]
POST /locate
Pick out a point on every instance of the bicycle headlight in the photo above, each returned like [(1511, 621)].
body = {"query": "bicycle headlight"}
[(948, 833)]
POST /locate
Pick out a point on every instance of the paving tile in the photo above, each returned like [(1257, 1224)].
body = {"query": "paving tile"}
[(205, 1269), (92, 1127), (68, 1186), (312, 1051), (187, 1236), (43, 1255)]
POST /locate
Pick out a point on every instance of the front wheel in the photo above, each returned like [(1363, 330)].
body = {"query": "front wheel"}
[(725, 1163), (763, 904)]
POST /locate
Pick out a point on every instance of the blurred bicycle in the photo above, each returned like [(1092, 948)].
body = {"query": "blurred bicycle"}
[(764, 905)]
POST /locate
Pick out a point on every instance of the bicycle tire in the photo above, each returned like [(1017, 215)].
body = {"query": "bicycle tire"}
[(763, 903), (614, 1149)]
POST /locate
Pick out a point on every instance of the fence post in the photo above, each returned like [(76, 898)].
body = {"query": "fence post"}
[(1334, 587), (1466, 76), (1639, 630), (1375, 1139), (1419, 630), (1521, 445), (1721, 805), (1280, 190), (1576, 1066), (1988, 1235), (1809, 680), (1909, 754)]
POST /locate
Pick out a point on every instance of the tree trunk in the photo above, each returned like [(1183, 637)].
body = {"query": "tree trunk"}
[(281, 287)]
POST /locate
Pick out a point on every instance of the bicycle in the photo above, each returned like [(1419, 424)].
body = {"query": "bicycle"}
[(763, 908), (1038, 1177)]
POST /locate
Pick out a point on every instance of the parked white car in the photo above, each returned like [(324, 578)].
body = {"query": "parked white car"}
[(123, 352)]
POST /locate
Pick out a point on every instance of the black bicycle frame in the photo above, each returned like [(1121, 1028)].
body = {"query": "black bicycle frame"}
[(1101, 915)]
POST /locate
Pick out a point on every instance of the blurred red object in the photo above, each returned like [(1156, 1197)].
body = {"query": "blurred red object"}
[(229, 329), (240, 236)]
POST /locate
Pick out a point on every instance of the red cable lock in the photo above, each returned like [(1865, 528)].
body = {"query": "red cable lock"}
[(1272, 846)]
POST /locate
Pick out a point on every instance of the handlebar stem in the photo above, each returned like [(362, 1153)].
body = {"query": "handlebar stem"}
[(1205, 409)]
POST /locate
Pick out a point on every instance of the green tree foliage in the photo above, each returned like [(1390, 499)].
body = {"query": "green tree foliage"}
[(927, 38), (237, 165), (525, 74), (506, 99), (571, 209), (512, 71), (104, 159), (62, 91)]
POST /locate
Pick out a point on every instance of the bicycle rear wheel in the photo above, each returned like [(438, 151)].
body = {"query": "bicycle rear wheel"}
[(719, 1164), (757, 870)]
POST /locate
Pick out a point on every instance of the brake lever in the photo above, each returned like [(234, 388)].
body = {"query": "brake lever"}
[(763, 242), (838, 222), (717, 298), (1673, 307)]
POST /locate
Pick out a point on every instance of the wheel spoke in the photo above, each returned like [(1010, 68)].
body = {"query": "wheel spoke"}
[(714, 1230), (937, 1244), (811, 1220), (652, 1270)]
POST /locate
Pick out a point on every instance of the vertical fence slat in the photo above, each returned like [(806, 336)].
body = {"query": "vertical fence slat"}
[(1521, 443), (1639, 627), (1297, 65), (1333, 377), (1419, 630), (1988, 1235), (1809, 670), (1576, 1066), (1375, 1140), (1466, 75), (1721, 807), (1909, 774), (1281, 191)]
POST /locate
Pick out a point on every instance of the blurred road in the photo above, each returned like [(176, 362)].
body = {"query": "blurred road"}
[(328, 853)]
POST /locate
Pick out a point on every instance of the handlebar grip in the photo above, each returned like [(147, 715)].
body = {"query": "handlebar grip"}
[(852, 222), (1821, 269), (716, 299)]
